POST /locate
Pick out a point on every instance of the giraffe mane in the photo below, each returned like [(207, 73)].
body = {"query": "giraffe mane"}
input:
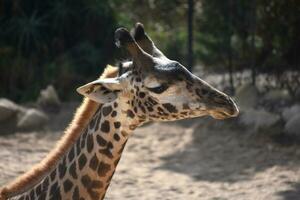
[(80, 120)]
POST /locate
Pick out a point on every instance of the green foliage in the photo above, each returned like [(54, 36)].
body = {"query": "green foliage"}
[(61, 42), (279, 31), (262, 31), (165, 22), (68, 42)]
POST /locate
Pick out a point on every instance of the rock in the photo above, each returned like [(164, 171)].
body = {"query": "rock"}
[(260, 119), (290, 112), (277, 96), (48, 99), (31, 120), (7, 109), (293, 125), (247, 96)]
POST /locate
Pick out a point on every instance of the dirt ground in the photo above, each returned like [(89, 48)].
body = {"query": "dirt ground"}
[(194, 159)]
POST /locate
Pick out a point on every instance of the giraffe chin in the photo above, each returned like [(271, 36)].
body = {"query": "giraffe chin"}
[(220, 115)]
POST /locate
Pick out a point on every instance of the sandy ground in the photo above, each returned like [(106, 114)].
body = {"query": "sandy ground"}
[(194, 159)]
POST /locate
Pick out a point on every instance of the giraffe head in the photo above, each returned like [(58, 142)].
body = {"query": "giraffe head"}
[(156, 88)]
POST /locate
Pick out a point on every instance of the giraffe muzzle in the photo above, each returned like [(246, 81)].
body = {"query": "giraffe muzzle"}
[(225, 107)]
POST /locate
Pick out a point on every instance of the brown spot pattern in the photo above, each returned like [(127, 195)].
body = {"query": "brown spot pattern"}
[(53, 175), (114, 113), (103, 168), (106, 152), (72, 170), (67, 185), (171, 108), (89, 143), (130, 114), (106, 110), (90, 184), (116, 137), (100, 140), (105, 127), (75, 195), (117, 124), (94, 162), (82, 161), (62, 169)]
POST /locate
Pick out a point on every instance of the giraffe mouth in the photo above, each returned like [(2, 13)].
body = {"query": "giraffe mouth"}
[(224, 114), (219, 115), (225, 110)]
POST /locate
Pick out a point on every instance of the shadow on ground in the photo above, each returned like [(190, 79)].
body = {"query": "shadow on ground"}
[(219, 152), (291, 194)]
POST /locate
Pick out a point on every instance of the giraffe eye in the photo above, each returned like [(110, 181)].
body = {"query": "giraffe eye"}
[(159, 89)]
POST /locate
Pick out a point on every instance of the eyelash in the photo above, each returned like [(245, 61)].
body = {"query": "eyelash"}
[(159, 89)]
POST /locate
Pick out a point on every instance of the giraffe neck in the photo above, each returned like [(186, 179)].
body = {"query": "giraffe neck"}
[(85, 171)]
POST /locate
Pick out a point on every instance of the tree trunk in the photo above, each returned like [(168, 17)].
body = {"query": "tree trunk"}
[(190, 34), (230, 67), (253, 28)]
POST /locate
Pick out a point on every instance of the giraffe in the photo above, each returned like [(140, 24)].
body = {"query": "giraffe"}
[(151, 87)]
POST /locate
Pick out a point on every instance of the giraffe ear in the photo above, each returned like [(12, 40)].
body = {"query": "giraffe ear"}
[(102, 90)]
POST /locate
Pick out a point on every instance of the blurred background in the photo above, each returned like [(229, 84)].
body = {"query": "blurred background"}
[(249, 49), (67, 42)]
